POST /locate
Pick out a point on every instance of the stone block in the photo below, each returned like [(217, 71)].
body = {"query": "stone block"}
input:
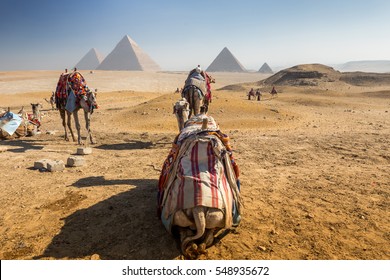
[(41, 164), (75, 161), (84, 151), (55, 165)]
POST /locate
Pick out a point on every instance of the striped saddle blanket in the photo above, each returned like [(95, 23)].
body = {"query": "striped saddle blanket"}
[(200, 172)]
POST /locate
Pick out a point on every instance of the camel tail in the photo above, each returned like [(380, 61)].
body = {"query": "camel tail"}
[(200, 223)]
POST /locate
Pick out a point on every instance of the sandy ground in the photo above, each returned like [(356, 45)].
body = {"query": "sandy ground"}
[(314, 172)]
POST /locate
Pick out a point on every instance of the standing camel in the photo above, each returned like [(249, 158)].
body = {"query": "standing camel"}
[(72, 94), (197, 90)]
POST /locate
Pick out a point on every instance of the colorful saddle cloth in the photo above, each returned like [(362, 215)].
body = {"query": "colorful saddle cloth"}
[(199, 171), (67, 83)]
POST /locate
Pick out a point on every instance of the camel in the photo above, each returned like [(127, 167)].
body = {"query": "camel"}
[(88, 110), (195, 99), (251, 93), (273, 92), (70, 104), (29, 123), (197, 90), (198, 186)]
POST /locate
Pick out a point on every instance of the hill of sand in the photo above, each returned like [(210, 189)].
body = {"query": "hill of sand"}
[(314, 173)]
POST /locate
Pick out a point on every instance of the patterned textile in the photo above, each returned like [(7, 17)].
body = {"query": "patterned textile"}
[(194, 126), (199, 171), (10, 122), (67, 82), (202, 81), (208, 87), (61, 93)]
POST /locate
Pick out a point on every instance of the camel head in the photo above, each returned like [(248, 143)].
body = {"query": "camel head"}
[(89, 103), (36, 110), (181, 110), (211, 79), (36, 106)]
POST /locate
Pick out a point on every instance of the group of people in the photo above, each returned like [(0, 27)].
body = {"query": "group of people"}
[(258, 93)]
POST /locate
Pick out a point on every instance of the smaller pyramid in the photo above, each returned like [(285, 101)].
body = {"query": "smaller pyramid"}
[(265, 69), (226, 62), (90, 61), (127, 55)]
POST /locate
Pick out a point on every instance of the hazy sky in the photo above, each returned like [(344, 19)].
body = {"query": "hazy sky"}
[(179, 34)]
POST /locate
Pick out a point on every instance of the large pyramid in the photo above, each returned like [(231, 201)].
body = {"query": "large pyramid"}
[(90, 61), (127, 55), (265, 69), (225, 62)]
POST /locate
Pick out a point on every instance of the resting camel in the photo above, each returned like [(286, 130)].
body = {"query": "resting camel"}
[(85, 101), (30, 123), (198, 186)]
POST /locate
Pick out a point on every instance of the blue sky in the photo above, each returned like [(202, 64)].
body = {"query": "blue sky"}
[(53, 35)]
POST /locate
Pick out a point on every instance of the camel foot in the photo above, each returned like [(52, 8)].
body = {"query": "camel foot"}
[(191, 251), (195, 252), (202, 249)]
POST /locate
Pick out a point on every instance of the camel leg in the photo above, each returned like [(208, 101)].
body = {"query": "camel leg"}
[(87, 117), (206, 105), (200, 222), (69, 122), (191, 249), (209, 238), (78, 126), (62, 114), (196, 101)]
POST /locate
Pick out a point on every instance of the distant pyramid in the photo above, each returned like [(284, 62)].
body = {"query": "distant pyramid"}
[(90, 61), (265, 69), (225, 62), (127, 55)]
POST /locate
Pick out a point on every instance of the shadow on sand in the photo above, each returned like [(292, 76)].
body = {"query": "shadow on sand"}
[(124, 226), (132, 145), (22, 145)]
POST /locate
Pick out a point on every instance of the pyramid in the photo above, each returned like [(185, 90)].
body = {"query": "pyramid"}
[(225, 62), (90, 61), (127, 55), (265, 69)]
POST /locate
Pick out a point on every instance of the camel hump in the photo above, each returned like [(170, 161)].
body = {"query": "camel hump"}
[(200, 84)]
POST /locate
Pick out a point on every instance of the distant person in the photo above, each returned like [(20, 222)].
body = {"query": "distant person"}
[(273, 91), (258, 94), (251, 93)]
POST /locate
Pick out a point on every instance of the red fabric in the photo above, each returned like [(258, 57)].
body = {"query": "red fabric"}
[(172, 157)]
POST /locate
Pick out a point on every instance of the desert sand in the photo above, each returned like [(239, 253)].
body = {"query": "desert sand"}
[(314, 164)]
